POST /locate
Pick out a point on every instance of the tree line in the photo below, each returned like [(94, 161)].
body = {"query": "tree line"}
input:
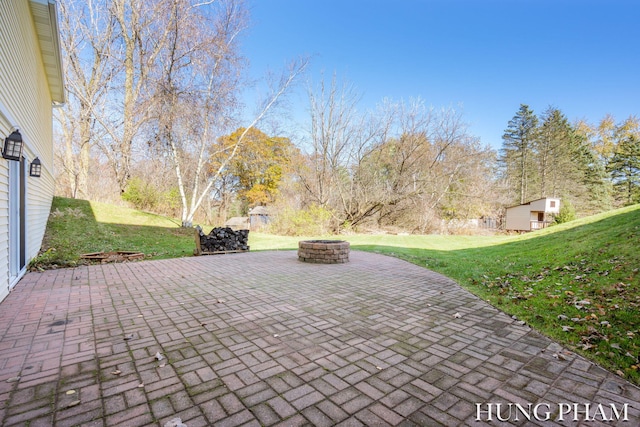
[(591, 167), (155, 117), (151, 85)]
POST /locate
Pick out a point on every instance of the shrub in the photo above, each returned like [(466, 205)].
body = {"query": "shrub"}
[(141, 195), (567, 213), (312, 221)]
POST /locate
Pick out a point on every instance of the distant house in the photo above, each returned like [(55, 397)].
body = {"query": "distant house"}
[(258, 217), (531, 216), (31, 82)]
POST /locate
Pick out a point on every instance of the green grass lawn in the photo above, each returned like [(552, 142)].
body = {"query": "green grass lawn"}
[(577, 283)]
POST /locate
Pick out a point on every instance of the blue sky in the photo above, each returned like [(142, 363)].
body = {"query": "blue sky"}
[(485, 57)]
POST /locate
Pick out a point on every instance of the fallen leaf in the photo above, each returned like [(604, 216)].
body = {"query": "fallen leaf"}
[(580, 304), (70, 392), (175, 422), (162, 365), (616, 346), (140, 385), (74, 403), (13, 379), (116, 372)]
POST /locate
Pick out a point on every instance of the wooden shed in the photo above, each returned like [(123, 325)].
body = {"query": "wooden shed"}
[(534, 215), (258, 217)]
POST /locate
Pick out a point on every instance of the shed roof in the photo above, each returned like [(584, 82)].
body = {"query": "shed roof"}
[(237, 221), (532, 201), (259, 210)]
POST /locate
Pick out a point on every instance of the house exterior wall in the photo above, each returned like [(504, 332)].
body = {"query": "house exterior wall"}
[(544, 205), (4, 213), (25, 104), (518, 218)]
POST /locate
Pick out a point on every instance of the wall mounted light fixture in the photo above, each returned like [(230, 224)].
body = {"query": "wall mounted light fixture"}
[(12, 149), (36, 168)]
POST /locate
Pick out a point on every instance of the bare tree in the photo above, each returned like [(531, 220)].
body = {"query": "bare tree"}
[(403, 158), (196, 89), (87, 33)]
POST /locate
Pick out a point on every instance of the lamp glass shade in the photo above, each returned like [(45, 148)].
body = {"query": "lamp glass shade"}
[(12, 149), (36, 168)]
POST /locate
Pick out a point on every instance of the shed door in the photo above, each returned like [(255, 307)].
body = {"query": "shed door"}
[(17, 220)]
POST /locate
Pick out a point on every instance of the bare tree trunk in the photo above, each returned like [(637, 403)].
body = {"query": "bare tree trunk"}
[(287, 79), (86, 32), (196, 90)]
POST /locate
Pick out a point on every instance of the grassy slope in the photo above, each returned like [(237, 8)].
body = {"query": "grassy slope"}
[(582, 276), (77, 227)]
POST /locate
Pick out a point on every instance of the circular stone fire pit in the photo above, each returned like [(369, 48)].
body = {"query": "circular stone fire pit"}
[(323, 251)]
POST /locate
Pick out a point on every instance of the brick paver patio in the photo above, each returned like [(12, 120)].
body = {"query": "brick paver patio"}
[(263, 339)]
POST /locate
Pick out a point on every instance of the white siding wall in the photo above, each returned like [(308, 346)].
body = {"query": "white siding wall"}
[(4, 214), (544, 205), (553, 210), (25, 102)]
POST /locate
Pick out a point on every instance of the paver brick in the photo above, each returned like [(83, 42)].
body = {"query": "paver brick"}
[(317, 417), (371, 342), (281, 407), (265, 414)]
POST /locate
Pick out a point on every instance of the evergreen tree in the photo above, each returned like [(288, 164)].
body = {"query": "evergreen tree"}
[(597, 194), (556, 154), (516, 155), (624, 168)]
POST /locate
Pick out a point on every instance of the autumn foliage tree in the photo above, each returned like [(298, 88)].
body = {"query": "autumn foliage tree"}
[(256, 171)]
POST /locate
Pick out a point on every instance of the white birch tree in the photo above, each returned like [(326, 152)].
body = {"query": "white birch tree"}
[(196, 90)]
